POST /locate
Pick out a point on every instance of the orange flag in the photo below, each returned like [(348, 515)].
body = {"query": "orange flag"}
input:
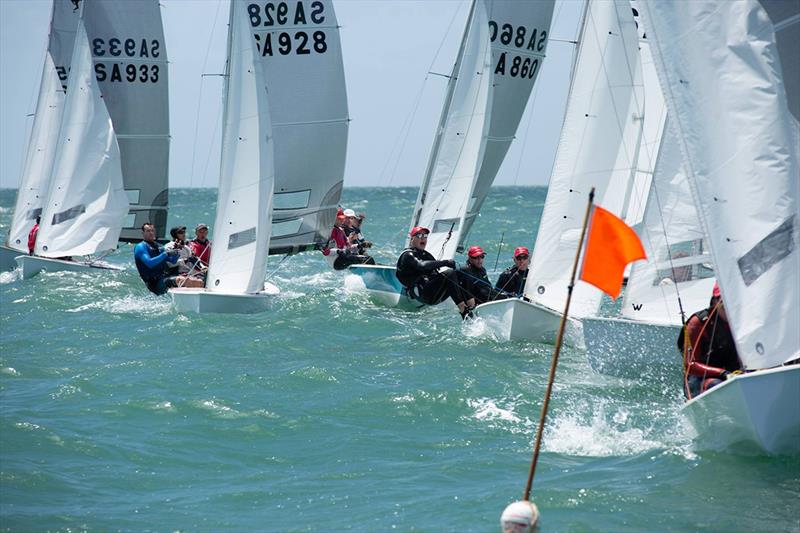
[(610, 246)]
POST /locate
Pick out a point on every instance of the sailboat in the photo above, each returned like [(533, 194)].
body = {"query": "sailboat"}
[(280, 102), (101, 187), (598, 149), (35, 180), (479, 119), (740, 144)]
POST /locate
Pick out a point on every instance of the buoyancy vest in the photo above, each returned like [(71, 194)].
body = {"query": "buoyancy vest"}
[(720, 348), (406, 271), (148, 274)]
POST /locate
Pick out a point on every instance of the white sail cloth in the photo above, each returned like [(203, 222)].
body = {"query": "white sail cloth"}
[(36, 174), (130, 63), (678, 260), (244, 203), (86, 204), (723, 85), (519, 33), (460, 141), (598, 148), (301, 54)]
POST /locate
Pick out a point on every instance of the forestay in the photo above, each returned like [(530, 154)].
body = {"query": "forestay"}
[(130, 61), (299, 49), (242, 225), (86, 203), (678, 260), (519, 33), (39, 159), (723, 85), (598, 148), (460, 140)]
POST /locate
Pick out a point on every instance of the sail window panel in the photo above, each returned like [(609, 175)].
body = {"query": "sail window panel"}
[(242, 238), (68, 214), (130, 221), (33, 213), (285, 228), (683, 261), (768, 252), (445, 225), (291, 200), (133, 195), (309, 157)]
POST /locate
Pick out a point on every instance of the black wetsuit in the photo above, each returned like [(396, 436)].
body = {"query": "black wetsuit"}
[(512, 281), (345, 259), (417, 271), (475, 284)]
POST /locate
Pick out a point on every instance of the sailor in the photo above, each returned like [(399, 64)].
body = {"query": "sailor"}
[(519, 517), (347, 251), (32, 236), (353, 231), (151, 262), (710, 354), (474, 281), (200, 245), (184, 262), (512, 280), (419, 273)]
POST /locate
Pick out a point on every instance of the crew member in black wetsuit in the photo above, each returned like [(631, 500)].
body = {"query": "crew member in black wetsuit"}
[(418, 271), (512, 280), (474, 280), (151, 262)]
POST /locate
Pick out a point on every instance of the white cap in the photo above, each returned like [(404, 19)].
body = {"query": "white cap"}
[(519, 517), (349, 213)]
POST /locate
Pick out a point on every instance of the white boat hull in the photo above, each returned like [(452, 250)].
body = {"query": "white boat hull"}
[(758, 410), (383, 287), (516, 319), (32, 265), (7, 258), (629, 349), (199, 300)]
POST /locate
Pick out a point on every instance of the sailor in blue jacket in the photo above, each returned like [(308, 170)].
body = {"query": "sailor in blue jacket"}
[(151, 262)]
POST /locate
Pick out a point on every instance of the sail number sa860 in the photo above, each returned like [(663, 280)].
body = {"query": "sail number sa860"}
[(266, 19), (529, 42)]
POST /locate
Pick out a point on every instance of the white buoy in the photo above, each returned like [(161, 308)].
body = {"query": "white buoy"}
[(520, 517)]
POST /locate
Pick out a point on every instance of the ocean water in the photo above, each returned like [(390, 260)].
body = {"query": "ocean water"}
[(331, 413)]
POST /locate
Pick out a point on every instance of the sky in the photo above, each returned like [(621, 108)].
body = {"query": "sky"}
[(388, 46)]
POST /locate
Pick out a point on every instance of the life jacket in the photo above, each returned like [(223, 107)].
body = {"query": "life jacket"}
[(202, 250), (147, 274), (32, 238), (409, 277), (719, 344)]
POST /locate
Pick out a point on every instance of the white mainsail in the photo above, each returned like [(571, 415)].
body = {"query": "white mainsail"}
[(300, 52), (678, 261), (86, 203), (519, 32), (36, 174), (724, 89), (244, 203), (460, 140), (130, 62), (598, 148)]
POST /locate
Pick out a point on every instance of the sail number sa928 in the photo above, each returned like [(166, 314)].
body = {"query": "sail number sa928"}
[(267, 19)]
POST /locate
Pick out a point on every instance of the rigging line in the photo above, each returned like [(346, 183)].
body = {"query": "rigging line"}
[(410, 117), (275, 270), (200, 95)]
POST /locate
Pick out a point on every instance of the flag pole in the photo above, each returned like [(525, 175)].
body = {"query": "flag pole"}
[(556, 352)]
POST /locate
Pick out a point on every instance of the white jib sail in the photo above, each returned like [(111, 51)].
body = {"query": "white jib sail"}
[(678, 259), (460, 141), (36, 174), (298, 45), (519, 33), (598, 148), (244, 202), (130, 62), (723, 85), (86, 204)]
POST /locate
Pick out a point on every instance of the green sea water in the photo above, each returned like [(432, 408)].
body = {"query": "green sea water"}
[(331, 413)]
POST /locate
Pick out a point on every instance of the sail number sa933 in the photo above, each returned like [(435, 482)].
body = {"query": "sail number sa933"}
[(268, 18), (106, 67), (529, 42)]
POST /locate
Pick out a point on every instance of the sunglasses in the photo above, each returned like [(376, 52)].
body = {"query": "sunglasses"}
[(421, 235), (521, 258)]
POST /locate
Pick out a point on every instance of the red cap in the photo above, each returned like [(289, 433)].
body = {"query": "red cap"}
[(521, 250), (340, 212), (418, 229), (715, 292), (475, 251)]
